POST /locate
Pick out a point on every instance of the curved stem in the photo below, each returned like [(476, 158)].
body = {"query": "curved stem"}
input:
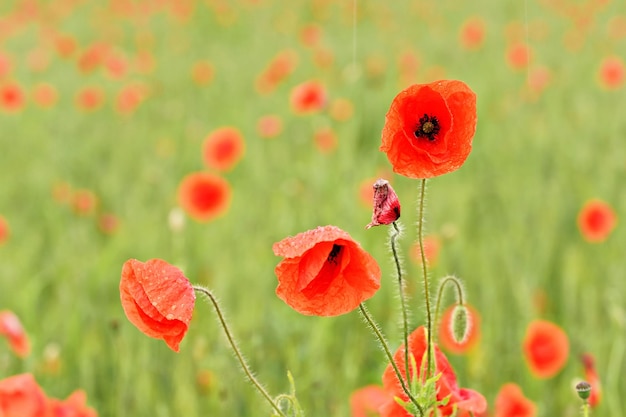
[(383, 342), (420, 239), (233, 345), (393, 239), (459, 292)]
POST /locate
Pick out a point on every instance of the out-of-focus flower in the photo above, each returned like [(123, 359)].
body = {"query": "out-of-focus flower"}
[(11, 328), (204, 196), (511, 402), (546, 348), (596, 221)]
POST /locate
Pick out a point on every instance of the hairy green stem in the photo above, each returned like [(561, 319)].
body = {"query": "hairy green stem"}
[(395, 233), (383, 342), (420, 239), (459, 291), (233, 345)]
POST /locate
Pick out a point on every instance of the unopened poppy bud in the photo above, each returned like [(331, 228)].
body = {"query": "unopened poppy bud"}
[(460, 324), (583, 389), (386, 204)]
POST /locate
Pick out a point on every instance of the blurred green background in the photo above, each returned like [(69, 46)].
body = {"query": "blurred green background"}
[(550, 136)]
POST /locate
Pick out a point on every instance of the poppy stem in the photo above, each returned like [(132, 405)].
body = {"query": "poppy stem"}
[(459, 293), (383, 342), (233, 345), (420, 240), (395, 233)]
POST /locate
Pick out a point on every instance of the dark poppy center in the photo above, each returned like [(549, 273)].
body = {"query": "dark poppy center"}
[(428, 127), (334, 253)]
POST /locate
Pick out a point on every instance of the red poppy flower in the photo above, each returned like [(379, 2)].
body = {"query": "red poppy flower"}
[(596, 221), (90, 98), (65, 46), (84, 202), (4, 230), (591, 376), (204, 196), (116, 65), (269, 126), (129, 98), (11, 97), (429, 129), (279, 68), (223, 148), (11, 328), (511, 402), (460, 398), (158, 299), (446, 338), (325, 272), (5, 65), (45, 95), (366, 401), (611, 73), (73, 406), (202, 73), (21, 396), (310, 35), (325, 140), (472, 33), (519, 55), (308, 97), (546, 348)]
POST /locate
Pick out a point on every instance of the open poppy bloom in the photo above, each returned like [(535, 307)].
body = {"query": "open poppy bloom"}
[(325, 272), (158, 299), (223, 148), (462, 399), (21, 396), (591, 376), (446, 338), (429, 128), (11, 327), (511, 402), (366, 401), (596, 221), (204, 196), (546, 348)]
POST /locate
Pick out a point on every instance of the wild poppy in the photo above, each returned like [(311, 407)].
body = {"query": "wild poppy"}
[(21, 396), (546, 348), (308, 97), (204, 196), (325, 140), (84, 202), (591, 376), (158, 299), (4, 230), (461, 399), (202, 73), (223, 148), (129, 98), (511, 402), (472, 33), (116, 65), (11, 97), (5, 65), (366, 401), (325, 272), (11, 328), (73, 406), (518, 56), (45, 95), (386, 209), (611, 73), (310, 35), (89, 98), (278, 69), (269, 126), (447, 340), (429, 128), (65, 45), (596, 221)]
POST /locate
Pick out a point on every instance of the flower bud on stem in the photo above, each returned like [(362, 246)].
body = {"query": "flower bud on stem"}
[(460, 302), (237, 352)]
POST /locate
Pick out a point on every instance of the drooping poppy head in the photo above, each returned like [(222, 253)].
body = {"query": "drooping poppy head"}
[(11, 97), (429, 129), (386, 209), (446, 337), (204, 196), (21, 396), (325, 272), (462, 399), (11, 328), (472, 33), (591, 376), (73, 406), (511, 402), (269, 126), (596, 221), (223, 148), (4, 230), (308, 97), (611, 73), (546, 348), (366, 401), (158, 299)]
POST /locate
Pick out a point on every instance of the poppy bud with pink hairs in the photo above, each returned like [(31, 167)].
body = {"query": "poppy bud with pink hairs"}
[(386, 204)]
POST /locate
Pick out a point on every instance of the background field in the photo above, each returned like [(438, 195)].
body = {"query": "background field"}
[(507, 218)]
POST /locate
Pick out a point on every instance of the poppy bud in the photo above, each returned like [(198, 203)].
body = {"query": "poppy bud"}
[(460, 323), (583, 389), (386, 204)]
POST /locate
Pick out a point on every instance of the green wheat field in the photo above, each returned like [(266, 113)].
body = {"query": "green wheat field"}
[(550, 136)]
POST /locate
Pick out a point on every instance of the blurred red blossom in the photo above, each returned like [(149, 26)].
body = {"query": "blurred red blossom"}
[(591, 376), (11, 328), (596, 221), (472, 33), (204, 196), (511, 402), (21, 396), (278, 69), (366, 401), (73, 406), (223, 148), (269, 126), (325, 272), (611, 73), (518, 55), (202, 73), (325, 140), (4, 230), (45, 95), (89, 98), (11, 97), (546, 348), (308, 97)]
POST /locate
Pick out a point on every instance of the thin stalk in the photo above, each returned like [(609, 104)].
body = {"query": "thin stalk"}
[(393, 240), (420, 239), (459, 291), (383, 342), (233, 345)]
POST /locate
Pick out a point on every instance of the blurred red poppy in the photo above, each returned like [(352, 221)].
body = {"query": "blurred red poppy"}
[(223, 148), (325, 272), (65, 45), (511, 402), (341, 109), (84, 202), (591, 376), (21, 396), (518, 55), (11, 328), (202, 73), (278, 69), (158, 299), (73, 406), (4, 230), (129, 98), (45, 95), (446, 338), (204, 196), (310, 35), (462, 399), (308, 97), (429, 128), (546, 348), (89, 98), (5, 65), (596, 221), (325, 140), (366, 401), (611, 73), (11, 97), (269, 126), (472, 33), (116, 65)]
